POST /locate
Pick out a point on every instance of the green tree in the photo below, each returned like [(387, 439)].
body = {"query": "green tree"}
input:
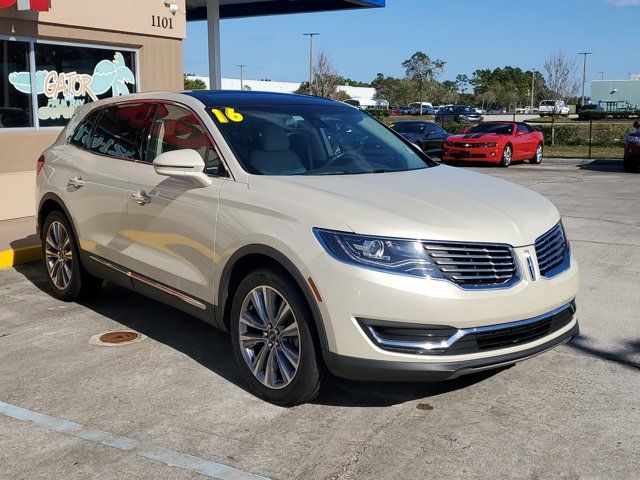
[(424, 71), (193, 83)]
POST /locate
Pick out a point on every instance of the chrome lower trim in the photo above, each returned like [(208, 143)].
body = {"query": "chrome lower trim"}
[(146, 280), (445, 344)]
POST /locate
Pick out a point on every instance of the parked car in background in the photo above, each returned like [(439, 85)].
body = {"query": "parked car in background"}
[(632, 150), (591, 106), (497, 111), (553, 107), (396, 110), (421, 108), (495, 142), (458, 114), (429, 136), (321, 240)]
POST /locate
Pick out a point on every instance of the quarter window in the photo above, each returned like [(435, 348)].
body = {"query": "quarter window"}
[(175, 128), (120, 131), (82, 135)]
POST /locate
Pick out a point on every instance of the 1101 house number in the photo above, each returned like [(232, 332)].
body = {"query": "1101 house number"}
[(161, 22)]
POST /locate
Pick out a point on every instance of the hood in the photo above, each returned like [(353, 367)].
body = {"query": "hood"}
[(485, 137), (438, 203)]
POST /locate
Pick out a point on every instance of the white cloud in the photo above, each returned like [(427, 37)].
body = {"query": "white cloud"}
[(624, 3)]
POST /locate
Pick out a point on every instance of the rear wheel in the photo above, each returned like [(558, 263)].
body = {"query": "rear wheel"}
[(273, 339), (61, 259), (507, 154), (537, 158)]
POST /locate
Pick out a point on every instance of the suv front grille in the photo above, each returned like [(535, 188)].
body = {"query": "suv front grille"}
[(473, 264), (551, 250)]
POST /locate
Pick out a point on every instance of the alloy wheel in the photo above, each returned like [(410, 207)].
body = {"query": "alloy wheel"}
[(539, 154), (269, 337), (59, 255), (506, 156)]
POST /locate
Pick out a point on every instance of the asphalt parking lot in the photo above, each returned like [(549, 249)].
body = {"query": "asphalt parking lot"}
[(174, 405)]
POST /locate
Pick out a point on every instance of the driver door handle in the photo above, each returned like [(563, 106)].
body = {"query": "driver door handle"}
[(75, 182), (141, 197)]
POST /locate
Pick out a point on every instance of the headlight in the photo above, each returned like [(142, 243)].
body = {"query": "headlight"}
[(391, 255), (633, 139), (492, 144)]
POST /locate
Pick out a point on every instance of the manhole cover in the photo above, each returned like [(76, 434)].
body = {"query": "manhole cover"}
[(113, 339), (118, 337)]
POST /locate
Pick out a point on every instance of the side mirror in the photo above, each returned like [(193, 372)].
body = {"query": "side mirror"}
[(186, 164), (636, 124)]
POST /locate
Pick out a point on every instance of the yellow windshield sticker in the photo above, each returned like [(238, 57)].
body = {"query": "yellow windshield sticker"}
[(229, 115)]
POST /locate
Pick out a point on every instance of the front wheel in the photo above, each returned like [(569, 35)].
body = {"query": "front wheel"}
[(537, 158), (507, 154), (273, 339)]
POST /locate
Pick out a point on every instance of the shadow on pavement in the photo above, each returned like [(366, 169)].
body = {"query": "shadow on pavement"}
[(211, 347), (622, 357), (603, 166)]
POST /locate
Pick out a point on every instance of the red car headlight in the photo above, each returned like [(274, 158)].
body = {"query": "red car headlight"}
[(492, 144)]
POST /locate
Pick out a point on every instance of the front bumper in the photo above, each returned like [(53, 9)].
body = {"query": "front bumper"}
[(380, 370), (484, 154)]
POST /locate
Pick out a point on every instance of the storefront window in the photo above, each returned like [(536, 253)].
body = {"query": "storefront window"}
[(69, 76), (15, 101), (66, 76)]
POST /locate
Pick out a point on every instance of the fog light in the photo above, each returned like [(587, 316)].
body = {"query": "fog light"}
[(493, 154)]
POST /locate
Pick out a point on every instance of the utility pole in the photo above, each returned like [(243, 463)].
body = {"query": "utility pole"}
[(533, 84), (241, 76), (584, 73), (310, 35)]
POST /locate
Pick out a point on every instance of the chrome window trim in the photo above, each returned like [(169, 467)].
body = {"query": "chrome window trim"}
[(428, 347)]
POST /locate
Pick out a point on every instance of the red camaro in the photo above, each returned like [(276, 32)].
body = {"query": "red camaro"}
[(495, 142), (632, 150)]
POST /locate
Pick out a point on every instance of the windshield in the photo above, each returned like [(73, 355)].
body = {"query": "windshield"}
[(548, 103), (409, 127), (313, 140), (498, 128)]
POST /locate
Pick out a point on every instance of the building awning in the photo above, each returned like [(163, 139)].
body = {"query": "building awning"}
[(197, 9)]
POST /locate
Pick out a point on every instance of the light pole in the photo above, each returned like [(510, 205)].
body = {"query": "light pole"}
[(310, 35), (601, 75), (584, 73), (241, 77)]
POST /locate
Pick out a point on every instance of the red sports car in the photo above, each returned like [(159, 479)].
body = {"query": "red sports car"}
[(632, 150), (495, 142)]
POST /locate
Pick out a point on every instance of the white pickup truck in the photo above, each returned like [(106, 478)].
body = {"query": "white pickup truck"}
[(553, 107)]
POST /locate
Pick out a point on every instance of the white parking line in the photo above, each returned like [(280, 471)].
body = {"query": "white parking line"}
[(129, 445)]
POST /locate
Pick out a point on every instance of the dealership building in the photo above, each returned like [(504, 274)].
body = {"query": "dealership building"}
[(58, 54), (617, 94)]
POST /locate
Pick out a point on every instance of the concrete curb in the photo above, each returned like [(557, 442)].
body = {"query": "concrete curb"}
[(17, 256)]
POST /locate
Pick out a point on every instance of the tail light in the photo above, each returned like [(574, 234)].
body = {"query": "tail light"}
[(39, 164)]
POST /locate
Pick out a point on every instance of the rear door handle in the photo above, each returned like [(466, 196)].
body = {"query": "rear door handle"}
[(141, 197), (75, 182)]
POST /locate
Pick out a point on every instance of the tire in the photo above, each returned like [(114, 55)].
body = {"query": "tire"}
[(65, 274), (274, 354), (507, 155), (631, 166), (537, 157)]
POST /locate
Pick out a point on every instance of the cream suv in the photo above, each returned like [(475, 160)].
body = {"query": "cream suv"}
[(320, 239)]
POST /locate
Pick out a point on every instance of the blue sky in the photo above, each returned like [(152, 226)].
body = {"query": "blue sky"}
[(467, 34)]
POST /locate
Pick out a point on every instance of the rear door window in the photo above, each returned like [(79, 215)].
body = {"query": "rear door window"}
[(120, 131)]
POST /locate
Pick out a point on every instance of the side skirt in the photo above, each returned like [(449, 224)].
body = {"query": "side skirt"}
[(112, 272)]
